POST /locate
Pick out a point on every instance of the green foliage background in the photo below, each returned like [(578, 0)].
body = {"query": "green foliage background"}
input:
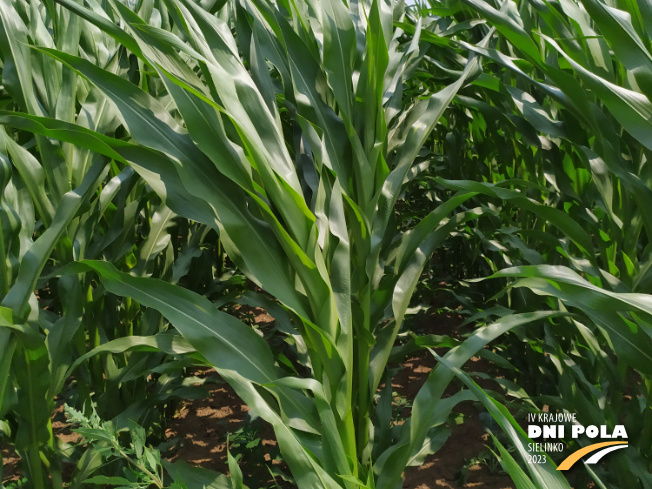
[(331, 162)]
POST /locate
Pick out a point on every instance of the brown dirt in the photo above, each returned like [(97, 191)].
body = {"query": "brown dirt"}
[(451, 466), (11, 461), (201, 427)]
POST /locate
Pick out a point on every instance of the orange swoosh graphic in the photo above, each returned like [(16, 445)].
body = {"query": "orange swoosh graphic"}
[(575, 456)]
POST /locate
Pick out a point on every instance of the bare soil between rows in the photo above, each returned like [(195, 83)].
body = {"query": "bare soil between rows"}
[(201, 425), (200, 428)]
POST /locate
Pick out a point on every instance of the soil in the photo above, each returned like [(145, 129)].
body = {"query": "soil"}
[(200, 426), (202, 423), (11, 461), (9, 464)]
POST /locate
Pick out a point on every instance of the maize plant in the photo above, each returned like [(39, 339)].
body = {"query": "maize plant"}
[(567, 84), (60, 203)]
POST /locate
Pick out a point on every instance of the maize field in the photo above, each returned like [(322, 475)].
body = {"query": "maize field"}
[(300, 205)]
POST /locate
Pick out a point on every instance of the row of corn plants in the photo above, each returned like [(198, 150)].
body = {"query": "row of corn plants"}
[(60, 203), (290, 130), (566, 92)]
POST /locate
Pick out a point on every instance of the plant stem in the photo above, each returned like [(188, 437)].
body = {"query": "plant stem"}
[(35, 467), (153, 477)]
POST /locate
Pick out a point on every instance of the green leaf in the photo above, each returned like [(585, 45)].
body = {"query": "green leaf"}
[(544, 474), (196, 476), (102, 479)]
